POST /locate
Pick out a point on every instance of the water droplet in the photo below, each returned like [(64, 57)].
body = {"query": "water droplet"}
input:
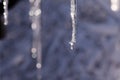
[(33, 50), (37, 12), (34, 55), (38, 65), (34, 26), (31, 13)]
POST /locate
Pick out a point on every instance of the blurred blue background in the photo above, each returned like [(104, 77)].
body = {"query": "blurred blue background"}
[(97, 49)]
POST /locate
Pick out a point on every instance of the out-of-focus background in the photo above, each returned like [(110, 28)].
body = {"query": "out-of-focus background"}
[(96, 55)]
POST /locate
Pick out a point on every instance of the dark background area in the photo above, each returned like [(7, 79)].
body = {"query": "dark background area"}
[(96, 54)]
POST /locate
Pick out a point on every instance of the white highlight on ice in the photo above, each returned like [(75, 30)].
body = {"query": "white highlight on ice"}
[(115, 5), (73, 13), (5, 14)]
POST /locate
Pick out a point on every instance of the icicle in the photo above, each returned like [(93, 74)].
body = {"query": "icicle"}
[(5, 14), (35, 15), (73, 16)]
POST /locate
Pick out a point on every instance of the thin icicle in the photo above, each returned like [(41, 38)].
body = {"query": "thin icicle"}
[(73, 13), (5, 14), (35, 15)]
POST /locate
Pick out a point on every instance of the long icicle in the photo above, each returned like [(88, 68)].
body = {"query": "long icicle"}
[(73, 13), (5, 14), (35, 15)]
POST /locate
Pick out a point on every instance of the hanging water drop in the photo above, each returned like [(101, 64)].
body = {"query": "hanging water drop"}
[(5, 14), (35, 15), (73, 13), (38, 65)]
